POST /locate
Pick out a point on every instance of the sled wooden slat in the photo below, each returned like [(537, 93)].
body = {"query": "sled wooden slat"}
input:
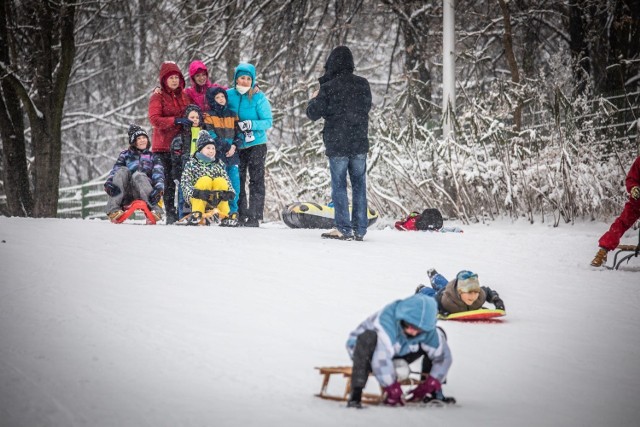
[(345, 372)]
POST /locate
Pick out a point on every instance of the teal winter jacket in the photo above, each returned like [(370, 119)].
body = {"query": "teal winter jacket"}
[(255, 107)]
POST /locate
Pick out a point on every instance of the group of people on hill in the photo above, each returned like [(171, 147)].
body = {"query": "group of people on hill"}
[(208, 140), (210, 144)]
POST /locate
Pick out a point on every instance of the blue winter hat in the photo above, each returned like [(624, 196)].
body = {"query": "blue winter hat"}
[(243, 73)]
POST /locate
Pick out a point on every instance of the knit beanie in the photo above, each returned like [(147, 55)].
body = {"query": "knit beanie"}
[(468, 281), (204, 138), (134, 132)]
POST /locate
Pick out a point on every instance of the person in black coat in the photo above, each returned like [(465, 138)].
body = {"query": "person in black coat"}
[(344, 101)]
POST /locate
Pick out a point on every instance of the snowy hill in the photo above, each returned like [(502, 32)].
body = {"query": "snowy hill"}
[(105, 325)]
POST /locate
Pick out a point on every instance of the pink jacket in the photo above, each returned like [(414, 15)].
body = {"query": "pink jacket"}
[(197, 94)]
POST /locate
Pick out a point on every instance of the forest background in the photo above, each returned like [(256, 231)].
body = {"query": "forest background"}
[(547, 111)]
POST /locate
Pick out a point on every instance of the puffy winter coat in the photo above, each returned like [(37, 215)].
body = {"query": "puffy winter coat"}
[(140, 161), (254, 107), (197, 93), (633, 177), (419, 310), (164, 108), (344, 101), (221, 122), (197, 167)]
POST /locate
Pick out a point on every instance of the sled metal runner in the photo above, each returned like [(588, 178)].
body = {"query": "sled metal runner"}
[(625, 252)]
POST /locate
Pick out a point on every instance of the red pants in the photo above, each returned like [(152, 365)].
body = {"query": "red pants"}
[(627, 218)]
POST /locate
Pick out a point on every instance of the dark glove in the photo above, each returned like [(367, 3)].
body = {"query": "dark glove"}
[(245, 125), (227, 196), (635, 193), (154, 196), (494, 299), (394, 395), (427, 387), (111, 189), (181, 121)]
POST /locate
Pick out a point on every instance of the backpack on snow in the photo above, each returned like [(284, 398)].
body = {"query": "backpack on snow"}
[(429, 219)]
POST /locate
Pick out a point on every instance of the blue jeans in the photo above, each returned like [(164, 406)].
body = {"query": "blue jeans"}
[(356, 166), (234, 176)]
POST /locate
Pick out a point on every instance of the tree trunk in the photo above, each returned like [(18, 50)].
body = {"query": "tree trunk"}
[(51, 58), (14, 154), (414, 26), (511, 59)]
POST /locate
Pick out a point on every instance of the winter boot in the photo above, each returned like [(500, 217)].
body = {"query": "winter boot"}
[(194, 218), (157, 212), (114, 215), (252, 222), (230, 221), (355, 399), (600, 258), (334, 233)]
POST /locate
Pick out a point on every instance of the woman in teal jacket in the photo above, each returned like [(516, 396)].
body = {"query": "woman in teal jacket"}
[(254, 113)]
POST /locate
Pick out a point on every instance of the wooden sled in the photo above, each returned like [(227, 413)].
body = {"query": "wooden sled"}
[(345, 372), (136, 205)]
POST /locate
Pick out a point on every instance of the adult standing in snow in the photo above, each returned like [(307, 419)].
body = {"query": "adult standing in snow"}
[(344, 101), (166, 111), (200, 82), (630, 214), (254, 113), (405, 329)]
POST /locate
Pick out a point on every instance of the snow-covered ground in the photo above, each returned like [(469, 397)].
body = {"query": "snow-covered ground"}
[(126, 325)]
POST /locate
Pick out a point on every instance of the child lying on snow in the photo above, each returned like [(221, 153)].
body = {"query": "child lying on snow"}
[(463, 293)]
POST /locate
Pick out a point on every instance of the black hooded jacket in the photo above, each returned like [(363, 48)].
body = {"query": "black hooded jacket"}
[(344, 101)]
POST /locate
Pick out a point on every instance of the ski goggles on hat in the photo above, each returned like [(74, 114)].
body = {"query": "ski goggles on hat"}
[(464, 275)]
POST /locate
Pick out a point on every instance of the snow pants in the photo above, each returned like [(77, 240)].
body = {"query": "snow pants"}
[(215, 184), (169, 195), (252, 160), (627, 218), (132, 186), (363, 353)]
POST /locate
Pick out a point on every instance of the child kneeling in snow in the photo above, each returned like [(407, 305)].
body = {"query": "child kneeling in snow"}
[(205, 183), (405, 329), (463, 293), (137, 174)]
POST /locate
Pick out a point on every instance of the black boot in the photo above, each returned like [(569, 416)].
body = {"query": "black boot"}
[(355, 399)]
